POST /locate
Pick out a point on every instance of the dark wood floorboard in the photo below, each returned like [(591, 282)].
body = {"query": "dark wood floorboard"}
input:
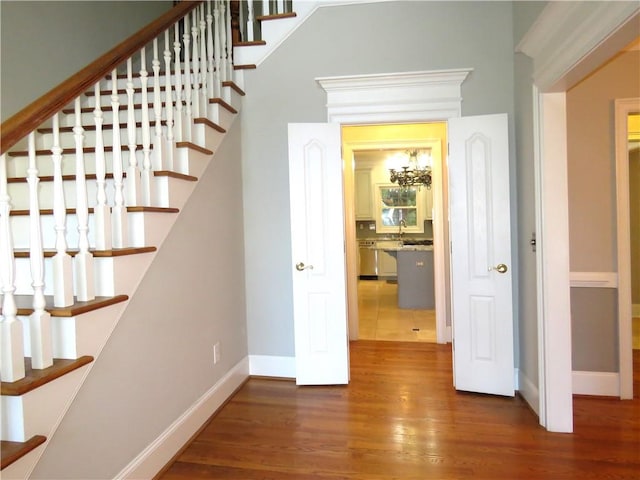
[(400, 418)]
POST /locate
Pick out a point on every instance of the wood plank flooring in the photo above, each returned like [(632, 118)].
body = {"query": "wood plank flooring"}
[(400, 418)]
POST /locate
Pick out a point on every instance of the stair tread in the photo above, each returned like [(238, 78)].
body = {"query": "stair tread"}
[(36, 378), (249, 44), (69, 151), (181, 176), (105, 126), (24, 303), (12, 451), (193, 146), (114, 252), (235, 87), (247, 66), (209, 123), (91, 176), (276, 16), (224, 104), (72, 211)]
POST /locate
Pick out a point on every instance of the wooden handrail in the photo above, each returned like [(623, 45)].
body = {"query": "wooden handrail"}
[(34, 115)]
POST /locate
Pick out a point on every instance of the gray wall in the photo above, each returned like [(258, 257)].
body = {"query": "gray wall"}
[(524, 14), (345, 40), (44, 43), (592, 206), (159, 360)]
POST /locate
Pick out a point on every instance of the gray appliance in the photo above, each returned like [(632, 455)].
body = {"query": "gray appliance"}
[(368, 259)]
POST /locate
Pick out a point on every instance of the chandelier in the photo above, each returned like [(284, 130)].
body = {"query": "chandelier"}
[(412, 168)]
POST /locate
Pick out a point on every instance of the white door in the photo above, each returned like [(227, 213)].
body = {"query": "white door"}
[(481, 274), (318, 254)]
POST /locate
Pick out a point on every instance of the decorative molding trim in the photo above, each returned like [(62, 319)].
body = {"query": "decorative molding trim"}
[(390, 97), (596, 383), (272, 366), (567, 33), (159, 452), (594, 279), (529, 391)]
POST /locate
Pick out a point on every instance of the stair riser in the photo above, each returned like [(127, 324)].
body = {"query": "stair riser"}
[(37, 411), (19, 193), (20, 229), (17, 166), (108, 282), (76, 336)]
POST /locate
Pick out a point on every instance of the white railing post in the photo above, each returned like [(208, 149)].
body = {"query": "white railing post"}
[(265, 8), (11, 336), (133, 173), (101, 212), (250, 22), (146, 174), (217, 54), (212, 84), (279, 6), (195, 103), (203, 59), (83, 261), (168, 107), (228, 45), (62, 265), (158, 150), (119, 210), (40, 319), (186, 38), (179, 133)]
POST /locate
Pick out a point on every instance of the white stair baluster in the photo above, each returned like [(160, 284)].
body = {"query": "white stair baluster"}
[(146, 174), (213, 90), (11, 335), (62, 265), (119, 211), (250, 22), (133, 173), (228, 44), (280, 6), (168, 90), (83, 261), (186, 38), (217, 42), (222, 37), (196, 66), (158, 150), (178, 130), (265, 7), (101, 212), (203, 58), (40, 319)]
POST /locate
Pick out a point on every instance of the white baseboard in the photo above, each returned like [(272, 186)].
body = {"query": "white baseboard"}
[(635, 310), (529, 391), (272, 366), (596, 383), (159, 452)]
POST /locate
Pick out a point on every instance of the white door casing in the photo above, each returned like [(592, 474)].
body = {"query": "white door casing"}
[(318, 255), (481, 273)]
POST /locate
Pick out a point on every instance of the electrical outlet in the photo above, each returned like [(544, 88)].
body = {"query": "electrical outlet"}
[(216, 353)]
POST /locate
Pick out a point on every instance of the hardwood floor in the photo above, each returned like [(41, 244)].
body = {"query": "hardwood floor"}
[(400, 418), (379, 317)]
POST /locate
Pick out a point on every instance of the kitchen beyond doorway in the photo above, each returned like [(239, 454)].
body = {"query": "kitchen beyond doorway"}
[(380, 318)]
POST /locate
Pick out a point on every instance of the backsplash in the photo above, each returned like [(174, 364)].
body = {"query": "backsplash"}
[(367, 229)]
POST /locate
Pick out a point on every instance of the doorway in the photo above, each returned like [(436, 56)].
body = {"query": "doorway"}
[(378, 307)]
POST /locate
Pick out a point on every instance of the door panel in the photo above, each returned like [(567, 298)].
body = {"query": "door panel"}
[(318, 255), (482, 303)]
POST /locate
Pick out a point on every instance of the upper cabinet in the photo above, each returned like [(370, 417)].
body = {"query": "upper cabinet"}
[(363, 194)]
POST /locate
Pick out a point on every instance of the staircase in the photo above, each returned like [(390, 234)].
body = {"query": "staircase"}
[(92, 179)]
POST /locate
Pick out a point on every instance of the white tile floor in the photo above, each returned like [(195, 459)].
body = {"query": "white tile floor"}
[(381, 319)]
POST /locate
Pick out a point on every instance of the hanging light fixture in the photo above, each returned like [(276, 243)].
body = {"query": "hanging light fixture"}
[(412, 168)]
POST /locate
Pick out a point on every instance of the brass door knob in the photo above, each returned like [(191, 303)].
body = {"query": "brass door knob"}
[(301, 266), (500, 268)]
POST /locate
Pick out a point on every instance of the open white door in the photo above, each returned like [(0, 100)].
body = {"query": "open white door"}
[(318, 254), (481, 275)]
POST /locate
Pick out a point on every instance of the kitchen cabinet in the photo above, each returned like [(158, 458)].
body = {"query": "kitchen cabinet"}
[(363, 194), (386, 265)]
